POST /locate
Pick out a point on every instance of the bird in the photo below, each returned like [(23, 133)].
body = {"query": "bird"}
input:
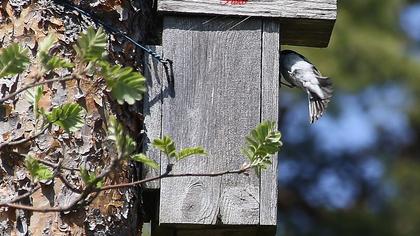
[(301, 73)]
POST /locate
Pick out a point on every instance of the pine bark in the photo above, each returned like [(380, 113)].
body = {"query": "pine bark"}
[(114, 212)]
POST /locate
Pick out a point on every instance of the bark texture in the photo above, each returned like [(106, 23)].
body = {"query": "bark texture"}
[(113, 212)]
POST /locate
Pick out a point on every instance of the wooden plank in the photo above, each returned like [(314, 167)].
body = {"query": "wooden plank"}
[(152, 111), (269, 111), (214, 102), (319, 9)]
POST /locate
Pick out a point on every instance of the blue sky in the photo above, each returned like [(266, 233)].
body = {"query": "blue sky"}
[(410, 21), (354, 125)]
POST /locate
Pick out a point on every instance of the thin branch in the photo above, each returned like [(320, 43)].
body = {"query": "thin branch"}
[(41, 209), (163, 176), (68, 184), (29, 86), (54, 165), (23, 196), (30, 138), (90, 189)]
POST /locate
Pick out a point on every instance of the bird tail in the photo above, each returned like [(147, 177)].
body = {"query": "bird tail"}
[(317, 107)]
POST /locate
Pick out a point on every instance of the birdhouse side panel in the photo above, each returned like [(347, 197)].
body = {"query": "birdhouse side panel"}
[(152, 111), (269, 111)]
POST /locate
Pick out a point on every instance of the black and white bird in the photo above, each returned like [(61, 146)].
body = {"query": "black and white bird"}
[(299, 72)]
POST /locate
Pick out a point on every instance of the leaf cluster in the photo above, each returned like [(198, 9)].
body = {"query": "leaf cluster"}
[(126, 145), (91, 45), (34, 96), (69, 116), (49, 61), (13, 60), (37, 170), (262, 143), (125, 84), (89, 178), (167, 146)]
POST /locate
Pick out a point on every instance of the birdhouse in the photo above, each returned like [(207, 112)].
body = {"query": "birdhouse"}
[(223, 81)]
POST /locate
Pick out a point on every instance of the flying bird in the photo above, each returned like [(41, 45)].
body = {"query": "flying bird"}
[(299, 72)]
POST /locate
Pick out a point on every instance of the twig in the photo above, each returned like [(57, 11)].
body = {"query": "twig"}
[(54, 165), (68, 184), (23, 196), (41, 209), (29, 86), (17, 142), (90, 189), (239, 171)]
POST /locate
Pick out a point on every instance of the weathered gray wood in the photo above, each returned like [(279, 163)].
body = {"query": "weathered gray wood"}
[(269, 111), (310, 9), (304, 23), (152, 110), (214, 102)]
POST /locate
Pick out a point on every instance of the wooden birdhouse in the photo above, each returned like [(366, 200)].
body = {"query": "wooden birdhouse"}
[(224, 80)]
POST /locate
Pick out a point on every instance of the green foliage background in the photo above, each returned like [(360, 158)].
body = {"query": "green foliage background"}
[(369, 47)]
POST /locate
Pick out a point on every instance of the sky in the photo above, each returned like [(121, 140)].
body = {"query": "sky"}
[(360, 122), (410, 21)]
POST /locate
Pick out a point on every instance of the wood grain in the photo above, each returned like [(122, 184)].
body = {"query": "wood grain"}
[(152, 110), (309, 9), (214, 102), (269, 111)]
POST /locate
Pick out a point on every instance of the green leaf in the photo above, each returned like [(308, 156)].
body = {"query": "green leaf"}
[(262, 143), (166, 145), (51, 62), (69, 116), (125, 144), (90, 178), (13, 60), (37, 170), (34, 95), (56, 62), (145, 160), (125, 84), (91, 46), (186, 152), (46, 44)]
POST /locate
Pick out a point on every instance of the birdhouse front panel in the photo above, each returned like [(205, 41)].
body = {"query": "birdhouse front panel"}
[(304, 22), (225, 81)]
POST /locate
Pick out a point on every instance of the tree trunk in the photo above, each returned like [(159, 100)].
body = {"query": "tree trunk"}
[(113, 212)]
